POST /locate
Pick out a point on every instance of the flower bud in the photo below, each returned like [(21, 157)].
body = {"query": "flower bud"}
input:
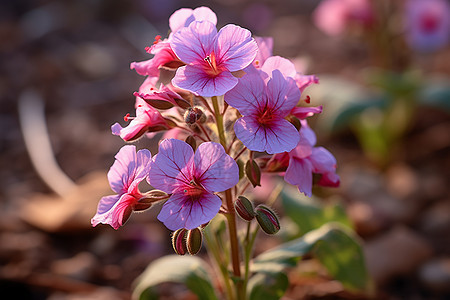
[(294, 121), (149, 198), (190, 140), (194, 241), (194, 114), (179, 241), (244, 208), (267, 219), (253, 172)]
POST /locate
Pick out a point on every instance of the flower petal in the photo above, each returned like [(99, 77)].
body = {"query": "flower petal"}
[(146, 68), (303, 81), (194, 43), (265, 46), (285, 66), (305, 112), (180, 19), (185, 16), (281, 136), (322, 160), (215, 170), (172, 166), (193, 78), (180, 212), (248, 94), (299, 173), (128, 167), (235, 48), (111, 210), (204, 13), (283, 93)]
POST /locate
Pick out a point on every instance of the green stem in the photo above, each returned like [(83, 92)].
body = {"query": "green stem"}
[(234, 243), (219, 122)]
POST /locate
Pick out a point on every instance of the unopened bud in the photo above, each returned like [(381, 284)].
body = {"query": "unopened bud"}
[(151, 197), (253, 172), (126, 214), (194, 241), (244, 208), (179, 241), (267, 219), (193, 115), (190, 140), (295, 121)]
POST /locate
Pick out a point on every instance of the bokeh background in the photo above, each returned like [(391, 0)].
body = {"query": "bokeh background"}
[(65, 79)]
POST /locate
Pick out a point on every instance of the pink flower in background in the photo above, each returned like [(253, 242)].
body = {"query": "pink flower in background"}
[(211, 57), (305, 159), (335, 16), (264, 107), (128, 170), (427, 24), (192, 179), (147, 119)]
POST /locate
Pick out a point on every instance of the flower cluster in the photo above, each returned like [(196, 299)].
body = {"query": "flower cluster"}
[(426, 23), (229, 101)]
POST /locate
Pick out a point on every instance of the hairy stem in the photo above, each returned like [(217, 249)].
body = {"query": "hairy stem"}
[(234, 243), (219, 122)]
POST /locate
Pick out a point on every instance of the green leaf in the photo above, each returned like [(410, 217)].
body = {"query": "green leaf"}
[(334, 245), (189, 270), (354, 109), (268, 286), (308, 213)]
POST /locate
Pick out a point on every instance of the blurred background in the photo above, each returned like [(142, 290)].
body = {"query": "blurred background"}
[(65, 79)]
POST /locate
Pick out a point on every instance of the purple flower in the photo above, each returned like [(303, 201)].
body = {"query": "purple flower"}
[(305, 159), (287, 68), (192, 179), (211, 57), (129, 169), (427, 24), (264, 107)]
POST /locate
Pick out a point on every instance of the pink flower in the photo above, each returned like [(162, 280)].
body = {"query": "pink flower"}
[(306, 159), (162, 98), (164, 57), (211, 57), (427, 24), (192, 179), (264, 107), (147, 119), (335, 16), (128, 170), (287, 68)]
